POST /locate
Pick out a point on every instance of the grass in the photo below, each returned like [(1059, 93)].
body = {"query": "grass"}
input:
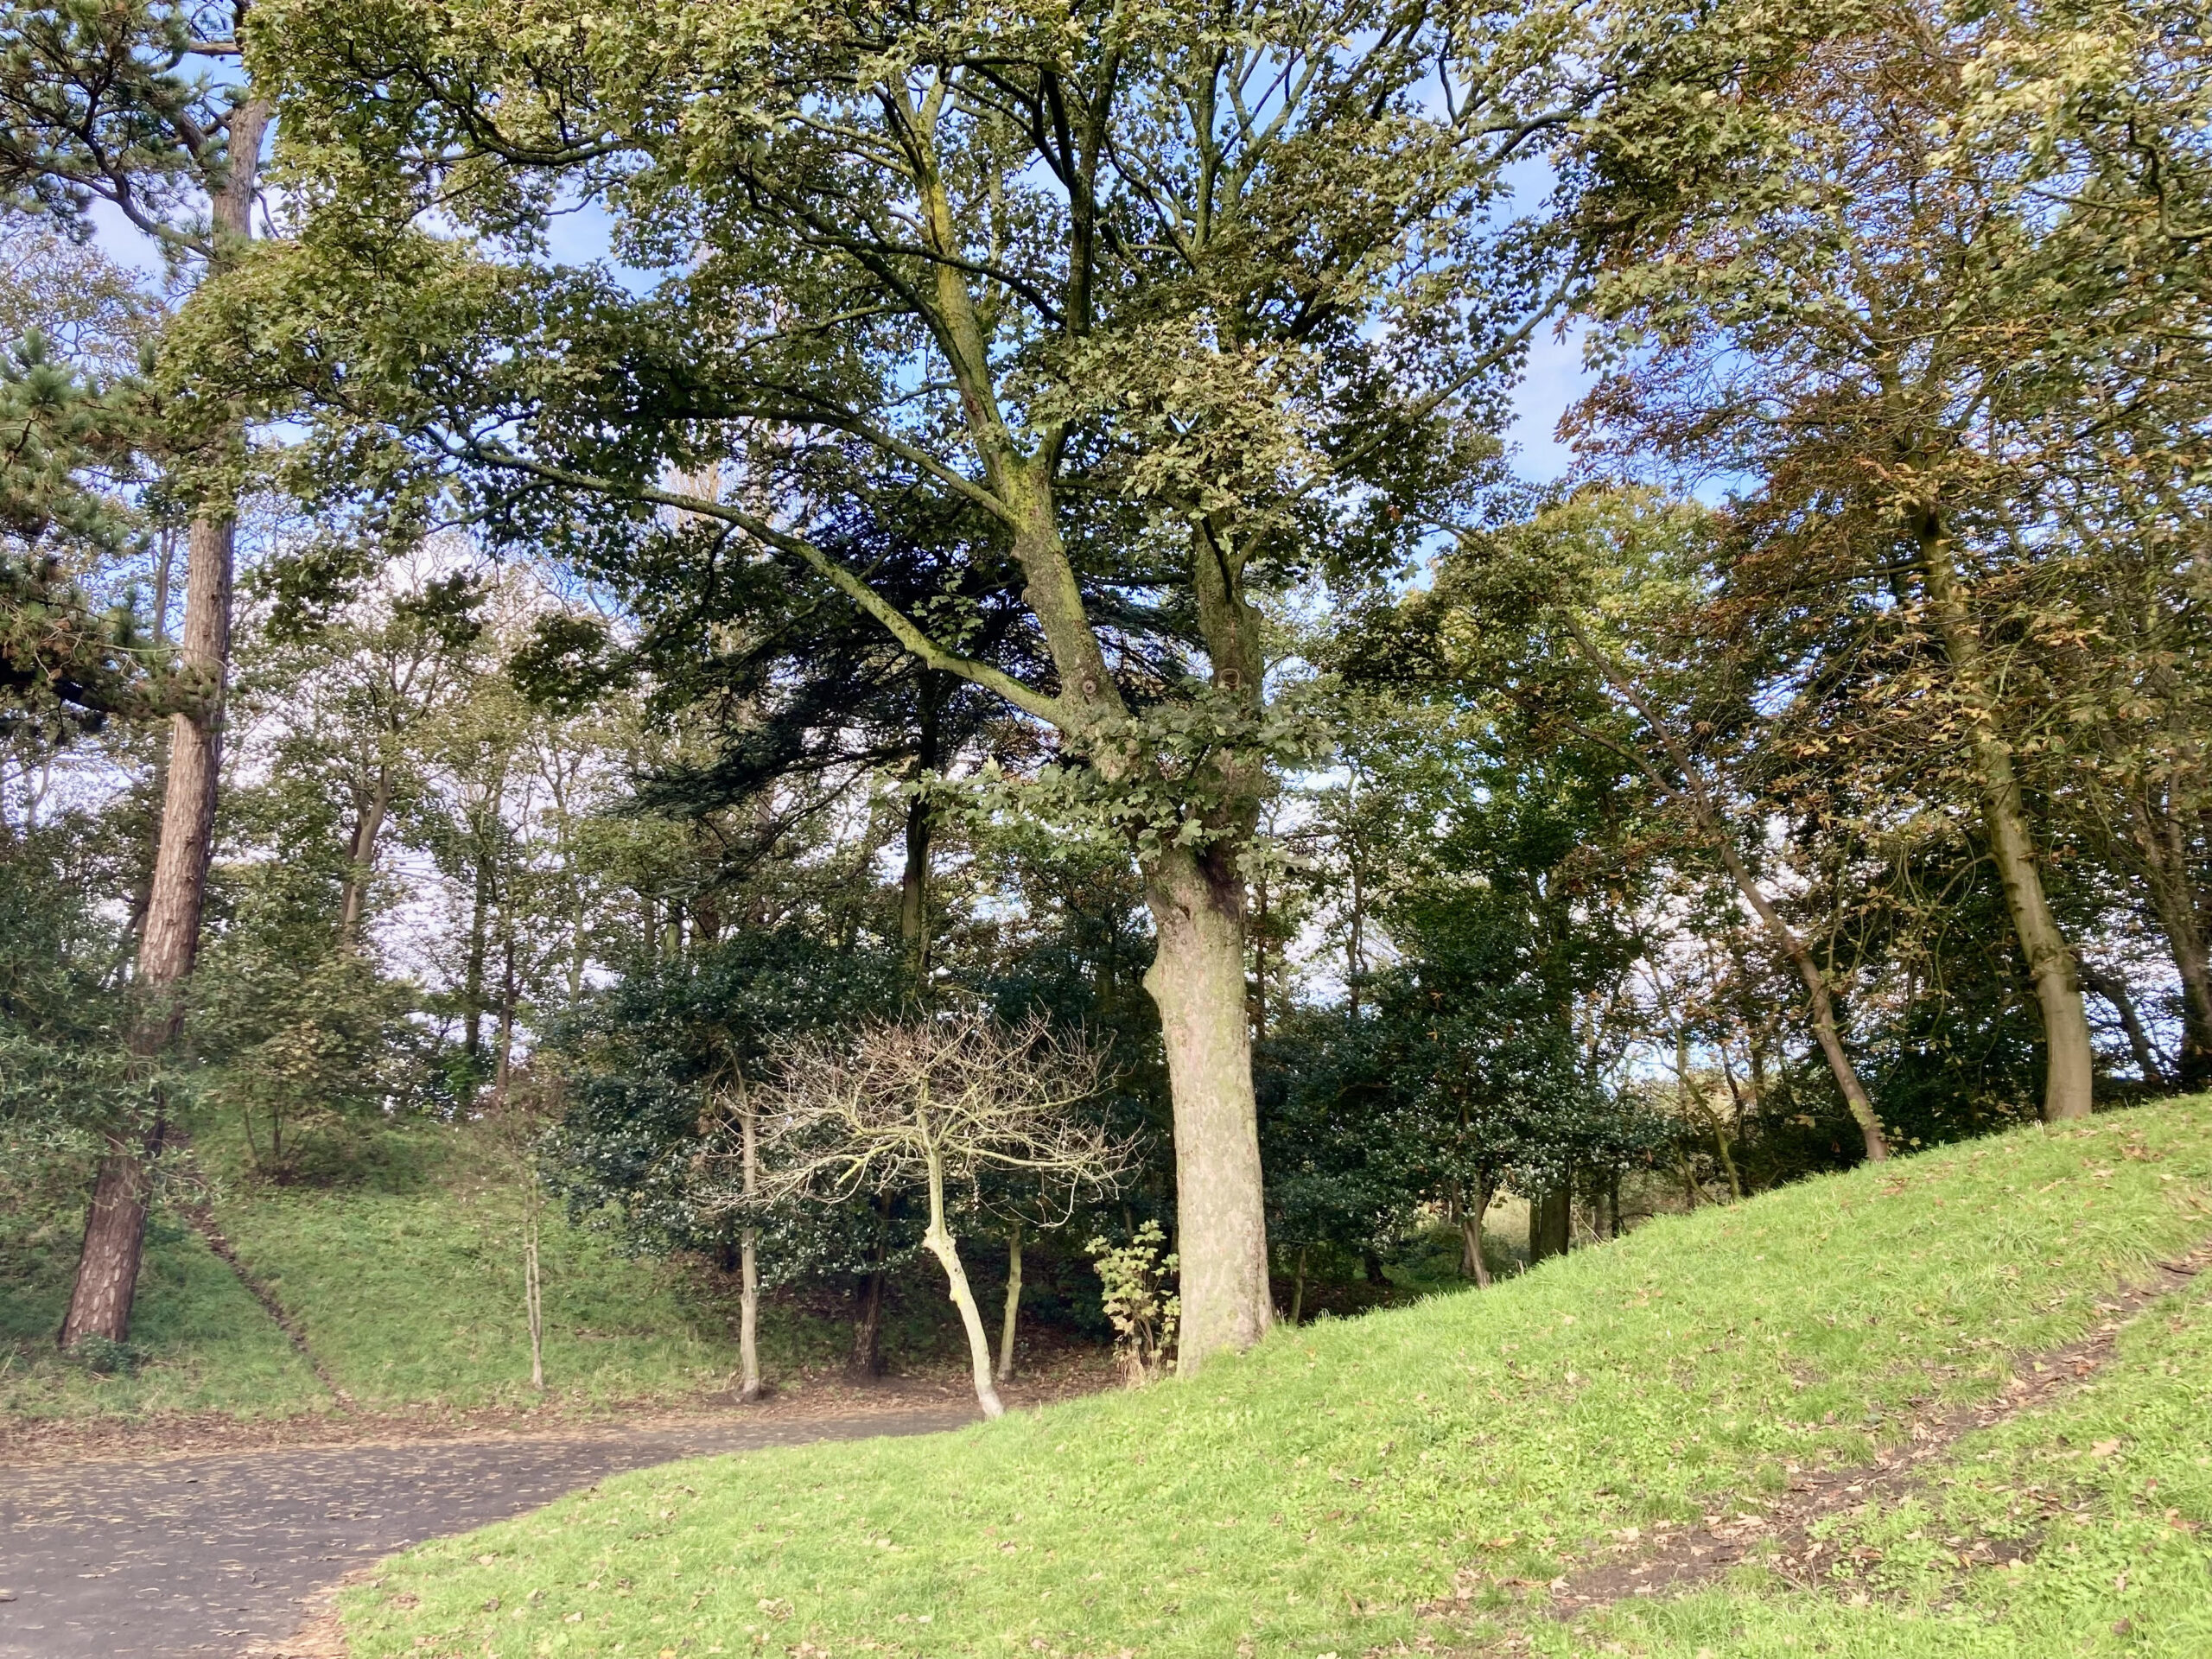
[(407, 1288), (1310, 1497), (405, 1280), (202, 1343)]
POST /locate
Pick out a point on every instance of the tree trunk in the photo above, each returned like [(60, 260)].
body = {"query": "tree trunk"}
[(1472, 1265), (360, 860), (1298, 1290), (115, 1241), (471, 977), (1196, 980), (748, 1248), (2068, 1056), (914, 879), (169, 942), (939, 1242), (1706, 812), (2114, 991), (1013, 1315), (535, 1306), (2174, 903), (1549, 1222)]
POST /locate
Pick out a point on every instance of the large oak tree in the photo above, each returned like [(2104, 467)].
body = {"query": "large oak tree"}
[(1189, 302)]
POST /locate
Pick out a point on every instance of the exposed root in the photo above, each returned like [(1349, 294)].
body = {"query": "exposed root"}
[(203, 1223)]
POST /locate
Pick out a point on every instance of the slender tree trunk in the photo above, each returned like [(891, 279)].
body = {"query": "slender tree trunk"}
[(2174, 902), (168, 940), (472, 976), (1012, 1316), (914, 880), (1471, 1264), (535, 1306), (868, 1319), (2068, 1056), (749, 1248), (939, 1242), (1706, 814), (1298, 1290), (505, 1059), (360, 860), (2114, 991), (1196, 980)]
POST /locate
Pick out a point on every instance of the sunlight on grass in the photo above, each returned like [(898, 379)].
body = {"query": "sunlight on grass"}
[(1311, 1495)]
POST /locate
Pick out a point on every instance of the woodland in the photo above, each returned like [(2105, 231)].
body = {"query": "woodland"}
[(887, 635)]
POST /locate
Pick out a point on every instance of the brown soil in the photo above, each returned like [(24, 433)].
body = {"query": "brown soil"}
[(1778, 1532)]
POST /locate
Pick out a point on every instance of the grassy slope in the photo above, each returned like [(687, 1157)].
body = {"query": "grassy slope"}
[(407, 1288), (207, 1345), (407, 1284), (1307, 1498)]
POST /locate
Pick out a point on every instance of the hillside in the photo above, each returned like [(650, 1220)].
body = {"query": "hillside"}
[(1435, 1476), (404, 1282)]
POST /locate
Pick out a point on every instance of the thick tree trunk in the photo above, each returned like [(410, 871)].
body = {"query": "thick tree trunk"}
[(2068, 1056), (1196, 980), (115, 1241), (1550, 1225), (1011, 1318)]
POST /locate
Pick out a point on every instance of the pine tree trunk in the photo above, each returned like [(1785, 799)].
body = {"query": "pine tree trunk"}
[(2068, 1056), (169, 942), (1196, 980), (1013, 1313)]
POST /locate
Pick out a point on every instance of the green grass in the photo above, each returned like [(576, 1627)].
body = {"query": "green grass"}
[(405, 1280), (205, 1344), (407, 1288), (1309, 1498)]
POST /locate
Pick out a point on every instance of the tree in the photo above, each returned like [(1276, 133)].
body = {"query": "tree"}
[(934, 1104), (1835, 265), (1180, 304), (109, 102)]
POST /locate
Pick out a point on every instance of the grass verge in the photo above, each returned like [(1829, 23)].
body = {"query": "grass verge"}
[(1319, 1495)]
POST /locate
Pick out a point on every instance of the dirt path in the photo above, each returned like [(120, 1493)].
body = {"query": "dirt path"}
[(215, 1555), (1781, 1530)]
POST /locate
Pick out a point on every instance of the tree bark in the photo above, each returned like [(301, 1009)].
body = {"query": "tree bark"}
[(1196, 980), (748, 1251), (168, 939), (938, 1242), (1549, 1225), (2114, 991), (914, 879), (1012, 1317), (1471, 1264), (2068, 1056), (360, 859)]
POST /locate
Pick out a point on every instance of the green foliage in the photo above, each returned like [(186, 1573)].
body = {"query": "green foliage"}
[(1320, 1493), (1136, 1289)]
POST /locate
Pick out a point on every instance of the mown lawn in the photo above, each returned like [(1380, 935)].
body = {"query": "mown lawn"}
[(1310, 1497)]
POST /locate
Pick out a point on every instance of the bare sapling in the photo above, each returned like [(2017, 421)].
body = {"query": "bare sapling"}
[(938, 1104)]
